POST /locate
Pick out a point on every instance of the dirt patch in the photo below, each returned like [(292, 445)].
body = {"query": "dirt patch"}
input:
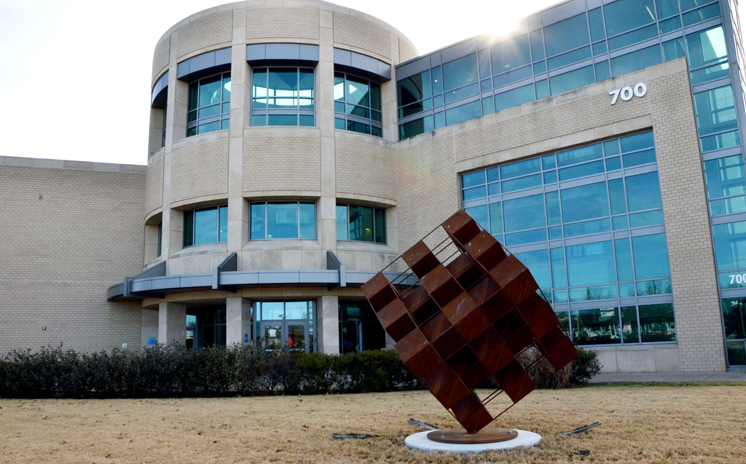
[(655, 424)]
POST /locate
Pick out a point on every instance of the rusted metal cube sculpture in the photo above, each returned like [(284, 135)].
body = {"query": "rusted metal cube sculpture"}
[(462, 313)]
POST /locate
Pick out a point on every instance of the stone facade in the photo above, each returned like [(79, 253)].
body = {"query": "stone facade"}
[(65, 269)]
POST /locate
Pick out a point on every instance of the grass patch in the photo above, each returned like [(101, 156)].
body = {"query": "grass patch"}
[(640, 423)]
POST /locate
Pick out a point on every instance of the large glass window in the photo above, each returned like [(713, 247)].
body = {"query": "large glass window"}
[(572, 80), (208, 225), (282, 97), (357, 105), (359, 328), (556, 213), (734, 320), (636, 60), (283, 220), (566, 35), (716, 118), (209, 104), (708, 55), (726, 185), (627, 15), (361, 223), (730, 253), (285, 324)]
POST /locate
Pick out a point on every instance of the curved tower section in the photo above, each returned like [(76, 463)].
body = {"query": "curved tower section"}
[(270, 193)]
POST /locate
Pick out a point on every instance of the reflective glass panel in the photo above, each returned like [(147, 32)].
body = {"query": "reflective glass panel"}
[(496, 218), (585, 202), (572, 80), (307, 215), (566, 35), (342, 223), (630, 332), (734, 318), (514, 97), (579, 155), (282, 220), (553, 208), (651, 256), (667, 8), (636, 60), (358, 91), (730, 246), (643, 192), (596, 327), (559, 274), (511, 54), (625, 15), (258, 221), (596, 20), (460, 72), (206, 226), (524, 213), (590, 264), (623, 259), (537, 45), (568, 58), (633, 37), (464, 113), (538, 263), (414, 88), (480, 214), (725, 177), (673, 49), (703, 14), (657, 323), (715, 110), (669, 25)]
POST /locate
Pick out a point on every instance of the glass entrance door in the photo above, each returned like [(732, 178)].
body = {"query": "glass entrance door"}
[(285, 325)]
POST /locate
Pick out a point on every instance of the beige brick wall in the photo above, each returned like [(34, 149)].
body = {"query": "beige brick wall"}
[(67, 235), (281, 160), (364, 167), (360, 33), (154, 184), (200, 167), (429, 165), (204, 32), (285, 23), (407, 50), (161, 57)]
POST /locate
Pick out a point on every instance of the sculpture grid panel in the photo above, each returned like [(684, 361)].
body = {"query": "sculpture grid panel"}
[(461, 313)]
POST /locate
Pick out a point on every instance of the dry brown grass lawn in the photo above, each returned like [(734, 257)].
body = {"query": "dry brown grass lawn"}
[(649, 424)]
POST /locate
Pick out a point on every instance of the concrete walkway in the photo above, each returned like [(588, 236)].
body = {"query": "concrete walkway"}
[(739, 376)]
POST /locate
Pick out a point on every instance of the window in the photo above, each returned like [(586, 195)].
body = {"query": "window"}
[(361, 223), (636, 60), (163, 130), (209, 104), (530, 206), (283, 220), (359, 328), (566, 35), (282, 97), (708, 55), (357, 105), (726, 185), (572, 80), (716, 118), (208, 225), (286, 324)]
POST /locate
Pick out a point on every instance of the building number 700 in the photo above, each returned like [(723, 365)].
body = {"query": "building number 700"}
[(627, 92)]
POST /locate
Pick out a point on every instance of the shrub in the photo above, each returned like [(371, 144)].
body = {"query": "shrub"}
[(585, 367)]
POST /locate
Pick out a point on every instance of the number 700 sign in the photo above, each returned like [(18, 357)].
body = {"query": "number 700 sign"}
[(627, 93)]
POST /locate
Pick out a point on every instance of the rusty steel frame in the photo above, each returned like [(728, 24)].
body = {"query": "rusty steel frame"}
[(468, 318)]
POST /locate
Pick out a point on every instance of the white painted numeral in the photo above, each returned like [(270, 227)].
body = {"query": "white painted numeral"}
[(627, 93), (641, 89), (616, 95)]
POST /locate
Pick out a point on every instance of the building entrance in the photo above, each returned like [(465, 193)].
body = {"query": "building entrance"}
[(359, 328), (205, 327), (285, 325)]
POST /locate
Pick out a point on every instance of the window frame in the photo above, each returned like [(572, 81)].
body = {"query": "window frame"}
[(222, 118), (298, 111), (193, 214), (266, 218), (345, 118), (374, 230)]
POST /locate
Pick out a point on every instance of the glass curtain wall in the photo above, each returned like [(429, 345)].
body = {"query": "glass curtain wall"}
[(282, 97), (588, 223), (618, 38)]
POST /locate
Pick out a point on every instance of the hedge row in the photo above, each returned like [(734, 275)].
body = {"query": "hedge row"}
[(173, 371)]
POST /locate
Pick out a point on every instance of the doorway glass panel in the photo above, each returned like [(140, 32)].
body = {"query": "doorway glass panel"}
[(273, 336), (285, 325)]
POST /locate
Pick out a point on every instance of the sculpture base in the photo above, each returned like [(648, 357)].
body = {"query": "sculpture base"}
[(460, 437), (461, 442)]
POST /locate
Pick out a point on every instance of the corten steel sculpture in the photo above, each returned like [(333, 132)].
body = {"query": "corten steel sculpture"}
[(461, 313)]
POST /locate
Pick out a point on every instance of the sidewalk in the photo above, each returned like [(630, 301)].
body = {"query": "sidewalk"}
[(672, 377)]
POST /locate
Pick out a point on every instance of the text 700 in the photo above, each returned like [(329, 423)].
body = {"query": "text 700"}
[(627, 93)]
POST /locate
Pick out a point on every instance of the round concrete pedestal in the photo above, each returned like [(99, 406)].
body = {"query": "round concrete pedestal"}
[(421, 441)]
